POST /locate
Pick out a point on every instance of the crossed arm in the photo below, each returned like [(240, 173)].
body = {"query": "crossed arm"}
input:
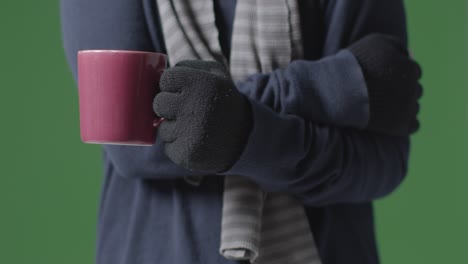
[(316, 149)]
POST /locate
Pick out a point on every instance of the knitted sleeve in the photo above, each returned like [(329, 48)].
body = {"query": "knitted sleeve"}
[(320, 163)]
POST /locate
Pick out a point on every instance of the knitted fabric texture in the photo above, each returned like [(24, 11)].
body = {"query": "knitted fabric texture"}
[(264, 228)]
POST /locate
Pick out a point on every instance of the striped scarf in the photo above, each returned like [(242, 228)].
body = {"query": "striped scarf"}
[(264, 228)]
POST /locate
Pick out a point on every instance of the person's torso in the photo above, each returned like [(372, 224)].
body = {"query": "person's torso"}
[(144, 221)]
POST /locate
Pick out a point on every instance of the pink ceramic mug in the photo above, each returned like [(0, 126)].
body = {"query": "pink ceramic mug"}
[(116, 91)]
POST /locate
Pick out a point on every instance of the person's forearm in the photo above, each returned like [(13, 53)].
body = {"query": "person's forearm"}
[(144, 162), (329, 91), (320, 164)]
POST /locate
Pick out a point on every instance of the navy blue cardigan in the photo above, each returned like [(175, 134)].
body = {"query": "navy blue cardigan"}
[(307, 139)]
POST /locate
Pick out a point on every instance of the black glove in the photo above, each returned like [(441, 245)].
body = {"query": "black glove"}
[(207, 121), (392, 83)]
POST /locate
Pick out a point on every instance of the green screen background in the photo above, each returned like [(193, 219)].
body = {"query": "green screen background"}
[(50, 181)]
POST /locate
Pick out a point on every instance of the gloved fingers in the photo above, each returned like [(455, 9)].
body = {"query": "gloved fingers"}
[(167, 105), (414, 69), (405, 68), (416, 109), (167, 131), (175, 79), (208, 66), (414, 126), (397, 43), (419, 90), (177, 153), (420, 71)]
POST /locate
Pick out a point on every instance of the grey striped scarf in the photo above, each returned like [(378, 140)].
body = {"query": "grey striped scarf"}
[(263, 228)]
